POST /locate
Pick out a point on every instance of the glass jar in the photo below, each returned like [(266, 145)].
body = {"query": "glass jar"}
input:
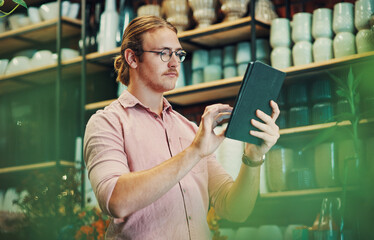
[(278, 164), (325, 165)]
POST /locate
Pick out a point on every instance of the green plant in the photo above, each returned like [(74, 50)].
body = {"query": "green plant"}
[(18, 2), (52, 202), (347, 89)]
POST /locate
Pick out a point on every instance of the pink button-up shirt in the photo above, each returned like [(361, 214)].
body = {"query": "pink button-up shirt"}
[(128, 137)]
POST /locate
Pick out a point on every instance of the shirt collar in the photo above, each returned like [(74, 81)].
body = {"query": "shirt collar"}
[(127, 100)]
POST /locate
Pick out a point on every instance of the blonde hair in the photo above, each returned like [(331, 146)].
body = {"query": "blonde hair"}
[(132, 39)]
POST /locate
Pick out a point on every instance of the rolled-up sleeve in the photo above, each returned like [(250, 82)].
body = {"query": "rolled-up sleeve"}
[(219, 184), (104, 155)]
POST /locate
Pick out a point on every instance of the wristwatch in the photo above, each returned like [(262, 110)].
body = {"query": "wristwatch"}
[(249, 162)]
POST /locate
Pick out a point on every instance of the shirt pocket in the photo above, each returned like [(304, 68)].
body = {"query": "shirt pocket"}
[(201, 166)]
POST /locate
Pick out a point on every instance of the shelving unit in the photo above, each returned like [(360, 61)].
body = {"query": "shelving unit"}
[(221, 34), (225, 88), (39, 33), (301, 193), (35, 166), (29, 37), (217, 35)]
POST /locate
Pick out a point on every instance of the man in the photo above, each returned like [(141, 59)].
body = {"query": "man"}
[(154, 171)]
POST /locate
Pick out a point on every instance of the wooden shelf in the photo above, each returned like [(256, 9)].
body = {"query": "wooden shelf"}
[(35, 166), (37, 34), (106, 58), (38, 76), (299, 193), (315, 127), (226, 88), (221, 34)]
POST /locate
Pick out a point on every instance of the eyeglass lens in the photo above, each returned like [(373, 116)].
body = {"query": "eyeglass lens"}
[(167, 53)]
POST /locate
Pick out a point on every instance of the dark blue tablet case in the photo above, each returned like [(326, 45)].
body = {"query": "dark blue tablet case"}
[(261, 83)]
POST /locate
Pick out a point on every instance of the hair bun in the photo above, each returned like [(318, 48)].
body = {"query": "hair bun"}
[(118, 62)]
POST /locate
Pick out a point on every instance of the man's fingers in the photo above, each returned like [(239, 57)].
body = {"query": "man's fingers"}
[(276, 110)]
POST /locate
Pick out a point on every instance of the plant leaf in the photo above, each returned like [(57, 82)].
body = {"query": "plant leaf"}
[(351, 79), (321, 137), (20, 2), (342, 93), (340, 82), (357, 81), (357, 99)]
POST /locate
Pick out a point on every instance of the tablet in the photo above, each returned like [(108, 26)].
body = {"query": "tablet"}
[(261, 83)]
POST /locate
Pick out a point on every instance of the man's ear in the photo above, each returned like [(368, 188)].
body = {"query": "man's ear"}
[(131, 58)]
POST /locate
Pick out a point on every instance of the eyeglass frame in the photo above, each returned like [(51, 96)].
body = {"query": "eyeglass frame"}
[(170, 55)]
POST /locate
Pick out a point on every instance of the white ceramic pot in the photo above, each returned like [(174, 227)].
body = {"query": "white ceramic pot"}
[(278, 164), (215, 56), (343, 18), (49, 10), (243, 52), (241, 68), (109, 21), (18, 64), (3, 66), (262, 49), (73, 10), (280, 33), (325, 163), (365, 41), (18, 20), (234, 9), (34, 15), (180, 21), (212, 72), (229, 55), (322, 49), (229, 71), (65, 8), (302, 27), (281, 57), (363, 11), (264, 11), (68, 53), (302, 53), (245, 233), (197, 76), (200, 58), (344, 44), (2, 25), (42, 58), (322, 23), (203, 11), (204, 17), (269, 232), (149, 9)]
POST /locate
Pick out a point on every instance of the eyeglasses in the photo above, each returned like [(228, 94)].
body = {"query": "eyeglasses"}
[(166, 54)]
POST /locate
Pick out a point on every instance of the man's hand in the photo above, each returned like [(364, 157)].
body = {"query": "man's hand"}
[(269, 132), (206, 141)]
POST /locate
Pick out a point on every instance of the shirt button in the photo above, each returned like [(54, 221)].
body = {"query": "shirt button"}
[(189, 217), (184, 190)]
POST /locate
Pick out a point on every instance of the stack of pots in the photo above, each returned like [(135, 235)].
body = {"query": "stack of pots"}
[(280, 41), (302, 37), (243, 57), (322, 33), (344, 41), (200, 59), (213, 71), (229, 64), (365, 36)]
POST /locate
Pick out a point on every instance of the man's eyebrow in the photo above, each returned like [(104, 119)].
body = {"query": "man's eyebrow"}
[(161, 48)]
